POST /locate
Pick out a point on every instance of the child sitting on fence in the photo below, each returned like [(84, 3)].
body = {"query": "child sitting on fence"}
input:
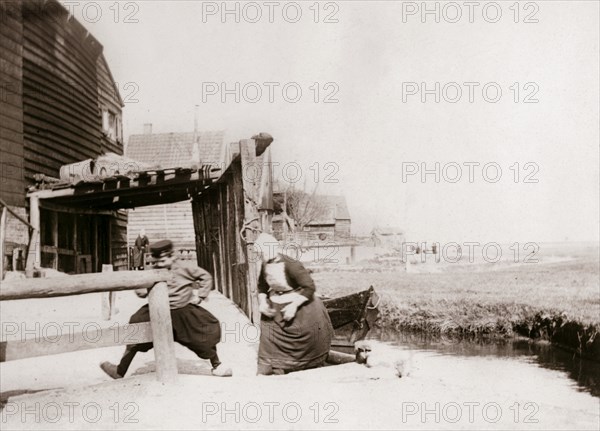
[(193, 326)]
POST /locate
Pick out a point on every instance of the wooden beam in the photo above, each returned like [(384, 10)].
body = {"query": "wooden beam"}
[(92, 338), (108, 298), (34, 254), (251, 223), (81, 284), (17, 216), (45, 204), (162, 333), (338, 358), (55, 238), (47, 194), (3, 219)]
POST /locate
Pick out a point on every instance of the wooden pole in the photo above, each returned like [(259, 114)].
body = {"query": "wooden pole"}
[(34, 253), (107, 297), (80, 284), (2, 238), (251, 221), (162, 333)]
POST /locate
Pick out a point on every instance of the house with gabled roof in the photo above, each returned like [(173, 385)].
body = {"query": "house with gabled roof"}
[(166, 151), (334, 224)]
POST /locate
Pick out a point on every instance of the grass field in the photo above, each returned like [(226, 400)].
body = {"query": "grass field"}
[(556, 301)]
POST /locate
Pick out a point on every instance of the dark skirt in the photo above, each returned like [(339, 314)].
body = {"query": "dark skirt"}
[(193, 326), (300, 344), (138, 257)]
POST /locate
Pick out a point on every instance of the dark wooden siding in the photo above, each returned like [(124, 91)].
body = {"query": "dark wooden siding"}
[(12, 183), (118, 240), (62, 122), (108, 97), (342, 228), (222, 214), (218, 220)]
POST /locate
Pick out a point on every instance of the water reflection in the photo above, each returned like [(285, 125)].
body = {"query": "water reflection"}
[(584, 373)]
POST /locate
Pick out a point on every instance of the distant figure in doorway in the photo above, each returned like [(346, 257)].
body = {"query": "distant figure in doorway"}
[(139, 250)]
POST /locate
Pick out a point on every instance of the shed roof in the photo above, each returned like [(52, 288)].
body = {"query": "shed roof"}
[(337, 209), (171, 150), (137, 189)]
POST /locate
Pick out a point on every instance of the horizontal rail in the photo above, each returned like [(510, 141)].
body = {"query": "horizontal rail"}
[(70, 342), (159, 330), (80, 284)]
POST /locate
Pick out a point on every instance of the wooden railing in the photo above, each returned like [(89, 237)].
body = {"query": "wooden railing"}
[(159, 330)]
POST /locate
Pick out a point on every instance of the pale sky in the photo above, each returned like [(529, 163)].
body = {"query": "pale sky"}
[(370, 57)]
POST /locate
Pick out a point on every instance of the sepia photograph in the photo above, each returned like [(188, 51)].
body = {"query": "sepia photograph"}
[(299, 215)]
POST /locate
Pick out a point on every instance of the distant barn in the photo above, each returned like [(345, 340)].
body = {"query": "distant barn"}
[(334, 224), (388, 237)]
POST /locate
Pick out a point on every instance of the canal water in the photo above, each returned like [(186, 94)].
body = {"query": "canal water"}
[(583, 375)]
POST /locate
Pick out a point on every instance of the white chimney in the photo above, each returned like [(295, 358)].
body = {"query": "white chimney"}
[(147, 128)]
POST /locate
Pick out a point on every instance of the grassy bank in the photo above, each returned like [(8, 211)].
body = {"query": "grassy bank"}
[(559, 302)]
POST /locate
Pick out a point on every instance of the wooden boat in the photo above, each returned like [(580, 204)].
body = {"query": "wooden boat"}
[(352, 316)]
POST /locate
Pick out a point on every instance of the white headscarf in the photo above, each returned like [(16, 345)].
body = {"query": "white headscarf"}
[(267, 246)]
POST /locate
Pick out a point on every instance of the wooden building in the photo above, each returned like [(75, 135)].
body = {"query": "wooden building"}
[(333, 225), (228, 211), (168, 150), (389, 237), (59, 105)]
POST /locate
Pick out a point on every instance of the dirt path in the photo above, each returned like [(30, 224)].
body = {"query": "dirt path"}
[(344, 397), (439, 393)]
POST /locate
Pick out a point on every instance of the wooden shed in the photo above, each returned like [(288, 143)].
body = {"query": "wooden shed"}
[(60, 105), (228, 211)]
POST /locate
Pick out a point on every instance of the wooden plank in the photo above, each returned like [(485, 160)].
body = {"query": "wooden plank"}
[(251, 221), (224, 250), (108, 298), (34, 256), (60, 125), (11, 123), (240, 246), (338, 358), (80, 284), (92, 338), (2, 237), (162, 333)]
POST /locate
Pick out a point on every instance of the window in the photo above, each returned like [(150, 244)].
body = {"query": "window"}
[(111, 125)]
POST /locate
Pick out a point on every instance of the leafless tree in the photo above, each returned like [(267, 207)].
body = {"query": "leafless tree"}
[(301, 206)]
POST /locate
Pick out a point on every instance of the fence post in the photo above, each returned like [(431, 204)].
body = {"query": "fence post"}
[(2, 236), (108, 298), (162, 333)]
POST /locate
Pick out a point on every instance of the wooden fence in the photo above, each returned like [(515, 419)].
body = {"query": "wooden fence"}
[(159, 330), (227, 218)]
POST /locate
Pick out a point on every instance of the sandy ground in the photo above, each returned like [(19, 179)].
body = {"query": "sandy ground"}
[(440, 392)]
